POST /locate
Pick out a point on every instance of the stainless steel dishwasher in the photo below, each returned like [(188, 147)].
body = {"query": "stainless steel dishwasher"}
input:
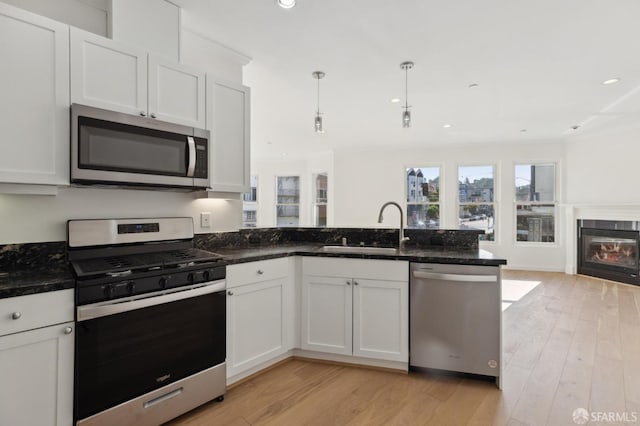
[(455, 318)]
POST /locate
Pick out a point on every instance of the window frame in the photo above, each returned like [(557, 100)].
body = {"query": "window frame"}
[(440, 202), (495, 203), (556, 204), (298, 204), (314, 201), (256, 203)]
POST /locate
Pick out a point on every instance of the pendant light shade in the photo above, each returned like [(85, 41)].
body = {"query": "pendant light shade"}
[(317, 123), (406, 114)]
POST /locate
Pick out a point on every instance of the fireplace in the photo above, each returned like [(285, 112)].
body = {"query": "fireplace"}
[(609, 249)]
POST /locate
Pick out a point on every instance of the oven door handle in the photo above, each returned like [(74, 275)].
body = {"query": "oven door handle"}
[(102, 309)]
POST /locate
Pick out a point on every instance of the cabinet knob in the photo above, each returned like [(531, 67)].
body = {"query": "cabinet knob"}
[(153, 115), (16, 315), (355, 283), (348, 282), (143, 114), (260, 272), (230, 293), (68, 330)]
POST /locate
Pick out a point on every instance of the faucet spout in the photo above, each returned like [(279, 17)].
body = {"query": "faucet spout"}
[(401, 239)]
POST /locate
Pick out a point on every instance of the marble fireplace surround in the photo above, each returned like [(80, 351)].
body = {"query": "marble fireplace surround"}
[(630, 212)]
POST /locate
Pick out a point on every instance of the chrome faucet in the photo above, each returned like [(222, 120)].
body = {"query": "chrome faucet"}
[(401, 239)]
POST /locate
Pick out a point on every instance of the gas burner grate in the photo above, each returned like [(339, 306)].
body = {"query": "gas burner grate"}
[(118, 262)]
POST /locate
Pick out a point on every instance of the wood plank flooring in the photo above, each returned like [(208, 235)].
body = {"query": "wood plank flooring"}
[(568, 342)]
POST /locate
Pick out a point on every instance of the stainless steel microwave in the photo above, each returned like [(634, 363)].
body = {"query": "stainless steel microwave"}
[(112, 148)]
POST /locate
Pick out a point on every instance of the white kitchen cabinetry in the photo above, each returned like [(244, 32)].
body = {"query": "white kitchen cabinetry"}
[(34, 106), (260, 303), (355, 307), (115, 76), (36, 365), (228, 111)]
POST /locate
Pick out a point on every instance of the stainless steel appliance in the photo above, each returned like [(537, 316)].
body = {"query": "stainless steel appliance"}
[(151, 321), (113, 148), (455, 318)]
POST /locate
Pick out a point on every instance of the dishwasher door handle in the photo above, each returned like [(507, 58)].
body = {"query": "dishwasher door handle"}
[(456, 277)]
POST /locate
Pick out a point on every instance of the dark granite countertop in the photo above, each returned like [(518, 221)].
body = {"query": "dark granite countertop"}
[(449, 255), (33, 280)]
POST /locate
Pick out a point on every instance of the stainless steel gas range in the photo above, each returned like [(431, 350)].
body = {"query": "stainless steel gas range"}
[(151, 321)]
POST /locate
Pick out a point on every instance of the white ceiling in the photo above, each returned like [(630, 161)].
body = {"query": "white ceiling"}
[(539, 65)]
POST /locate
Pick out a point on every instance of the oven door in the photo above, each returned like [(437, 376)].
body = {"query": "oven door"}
[(115, 148), (128, 348)]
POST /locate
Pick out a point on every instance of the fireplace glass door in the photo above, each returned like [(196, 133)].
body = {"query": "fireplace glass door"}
[(607, 253)]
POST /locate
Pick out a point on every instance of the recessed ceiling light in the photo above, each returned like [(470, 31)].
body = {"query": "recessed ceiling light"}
[(286, 4), (523, 130), (611, 81), (395, 100), (472, 85), (446, 126), (576, 127)]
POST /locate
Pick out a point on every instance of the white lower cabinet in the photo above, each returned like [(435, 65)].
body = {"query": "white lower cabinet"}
[(259, 313), (356, 307), (36, 365)]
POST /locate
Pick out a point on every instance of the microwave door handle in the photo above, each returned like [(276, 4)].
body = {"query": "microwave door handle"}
[(192, 156)]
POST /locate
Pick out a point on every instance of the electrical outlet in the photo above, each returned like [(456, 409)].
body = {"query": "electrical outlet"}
[(205, 219)]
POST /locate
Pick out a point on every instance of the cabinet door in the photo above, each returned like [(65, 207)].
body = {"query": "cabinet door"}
[(34, 100), (228, 119), (326, 314), (107, 74), (37, 374), (380, 319), (176, 93), (256, 319)]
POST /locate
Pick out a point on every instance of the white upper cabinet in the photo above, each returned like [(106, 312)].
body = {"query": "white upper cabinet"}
[(111, 75), (176, 92), (228, 110), (107, 74), (34, 106)]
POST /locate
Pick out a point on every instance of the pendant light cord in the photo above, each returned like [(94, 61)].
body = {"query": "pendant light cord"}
[(318, 112), (406, 88)]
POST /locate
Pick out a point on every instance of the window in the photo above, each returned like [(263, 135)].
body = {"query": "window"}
[(423, 197), (535, 186), (320, 201), (250, 204), (476, 203), (287, 200)]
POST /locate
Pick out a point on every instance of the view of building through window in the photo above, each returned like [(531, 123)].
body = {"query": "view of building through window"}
[(320, 181), (476, 202), (535, 202), (287, 200), (423, 197), (250, 204)]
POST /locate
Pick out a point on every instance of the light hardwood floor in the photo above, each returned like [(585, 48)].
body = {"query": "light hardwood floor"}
[(568, 342)]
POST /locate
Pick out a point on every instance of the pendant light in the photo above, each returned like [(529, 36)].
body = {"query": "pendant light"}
[(318, 119), (406, 114)]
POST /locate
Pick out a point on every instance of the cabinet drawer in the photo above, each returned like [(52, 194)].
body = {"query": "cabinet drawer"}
[(35, 310), (262, 270), (390, 270)]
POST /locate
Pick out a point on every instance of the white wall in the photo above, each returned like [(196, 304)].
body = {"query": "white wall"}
[(367, 179), (267, 170)]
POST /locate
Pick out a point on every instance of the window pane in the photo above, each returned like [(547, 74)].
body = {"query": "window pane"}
[(249, 217), (321, 187), (535, 223), (288, 189), (423, 184), (423, 216), (287, 215), (252, 194), (321, 215), (250, 205), (478, 216), (475, 184), (535, 182)]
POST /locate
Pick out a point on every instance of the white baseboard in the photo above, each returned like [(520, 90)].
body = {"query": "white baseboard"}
[(355, 360), (534, 268)]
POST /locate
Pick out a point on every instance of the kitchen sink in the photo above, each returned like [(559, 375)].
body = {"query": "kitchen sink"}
[(360, 249)]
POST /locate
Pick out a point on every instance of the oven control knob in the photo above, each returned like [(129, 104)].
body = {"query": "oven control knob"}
[(131, 288), (108, 291), (162, 282), (205, 276), (190, 278)]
